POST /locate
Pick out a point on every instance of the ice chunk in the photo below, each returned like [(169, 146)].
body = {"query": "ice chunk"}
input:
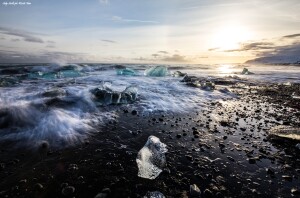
[(157, 71), (246, 72), (8, 81), (151, 158), (287, 132), (154, 194), (69, 73), (126, 72), (207, 85), (106, 96), (178, 74)]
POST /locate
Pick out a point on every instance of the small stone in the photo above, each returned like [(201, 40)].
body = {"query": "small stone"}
[(178, 135), (134, 112), (68, 190), (295, 191), (195, 191), (287, 177), (270, 171), (101, 195), (207, 193), (38, 187), (189, 157), (230, 158), (252, 160), (106, 190)]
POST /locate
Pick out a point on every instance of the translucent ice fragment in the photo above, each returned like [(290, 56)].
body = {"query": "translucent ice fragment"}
[(287, 132), (106, 96), (157, 71), (151, 158), (246, 72), (126, 72)]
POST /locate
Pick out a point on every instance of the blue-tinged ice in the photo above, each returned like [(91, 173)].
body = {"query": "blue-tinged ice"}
[(126, 72), (151, 158), (246, 72), (69, 73), (157, 71)]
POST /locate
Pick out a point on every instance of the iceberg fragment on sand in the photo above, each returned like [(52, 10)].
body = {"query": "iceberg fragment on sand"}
[(126, 72), (154, 194), (106, 96), (157, 71), (151, 158), (286, 132), (201, 83), (246, 72)]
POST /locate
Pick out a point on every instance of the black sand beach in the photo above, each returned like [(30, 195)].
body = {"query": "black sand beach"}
[(225, 149)]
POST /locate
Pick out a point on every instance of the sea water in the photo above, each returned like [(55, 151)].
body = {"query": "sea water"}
[(55, 103)]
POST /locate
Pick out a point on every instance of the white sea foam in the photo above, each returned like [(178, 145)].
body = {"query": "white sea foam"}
[(70, 117)]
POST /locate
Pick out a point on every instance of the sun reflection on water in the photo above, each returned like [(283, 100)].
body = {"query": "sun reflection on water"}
[(226, 69)]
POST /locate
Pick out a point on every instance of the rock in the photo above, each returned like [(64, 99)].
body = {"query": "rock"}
[(73, 167), (134, 112), (207, 193), (106, 190), (189, 157), (38, 187), (252, 160), (154, 194), (195, 191), (270, 171), (178, 74), (68, 190), (178, 135), (101, 195), (230, 158), (295, 191)]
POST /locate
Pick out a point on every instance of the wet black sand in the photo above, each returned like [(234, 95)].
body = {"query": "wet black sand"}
[(223, 149)]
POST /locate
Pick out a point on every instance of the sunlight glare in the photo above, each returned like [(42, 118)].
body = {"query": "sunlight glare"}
[(230, 37)]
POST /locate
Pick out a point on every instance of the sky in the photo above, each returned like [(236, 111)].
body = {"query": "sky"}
[(149, 31)]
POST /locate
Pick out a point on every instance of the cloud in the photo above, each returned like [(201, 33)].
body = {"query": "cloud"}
[(120, 19), (103, 1), (108, 41), (8, 56), (291, 36), (50, 46), (163, 52), (51, 42), (27, 36), (253, 46), (213, 49), (174, 58), (155, 55), (15, 40)]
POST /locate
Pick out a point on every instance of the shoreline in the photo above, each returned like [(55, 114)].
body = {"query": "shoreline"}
[(223, 149)]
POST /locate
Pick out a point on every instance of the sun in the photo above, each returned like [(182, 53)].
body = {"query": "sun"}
[(230, 37)]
